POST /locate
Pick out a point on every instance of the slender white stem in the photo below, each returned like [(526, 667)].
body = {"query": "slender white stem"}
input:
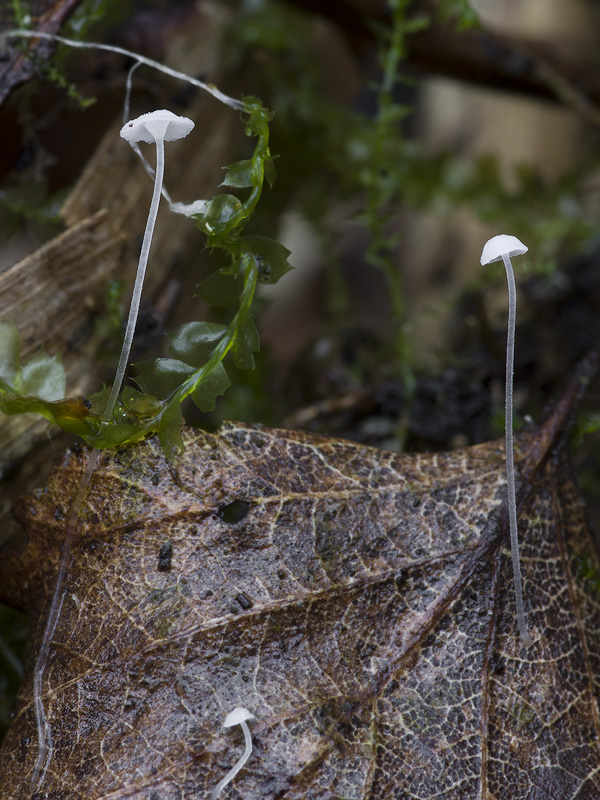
[(139, 280), (44, 733), (510, 459), (235, 769)]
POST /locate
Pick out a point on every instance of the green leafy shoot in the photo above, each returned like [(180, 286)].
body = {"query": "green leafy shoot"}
[(380, 183), (198, 350)]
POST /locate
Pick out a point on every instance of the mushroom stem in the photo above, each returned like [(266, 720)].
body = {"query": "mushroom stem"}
[(510, 459), (237, 767), (139, 280)]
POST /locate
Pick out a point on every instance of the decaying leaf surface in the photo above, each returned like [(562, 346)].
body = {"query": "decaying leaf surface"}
[(357, 602)]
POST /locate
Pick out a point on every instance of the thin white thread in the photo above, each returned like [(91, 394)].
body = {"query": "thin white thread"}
[(44, 733), (207, 87)]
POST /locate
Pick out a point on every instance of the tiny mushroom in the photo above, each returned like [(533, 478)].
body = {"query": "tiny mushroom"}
[(238, 716), (156, 127), (501, 248)]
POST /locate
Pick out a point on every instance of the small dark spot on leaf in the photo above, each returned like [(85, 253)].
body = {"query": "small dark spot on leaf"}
[(400, 579), (498, 665), (244, 601), (164, 557), (91, 545), (234, 511), (281, 574)]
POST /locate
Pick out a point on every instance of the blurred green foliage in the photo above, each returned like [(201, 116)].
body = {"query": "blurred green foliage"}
[(363, 155), (195, 367)]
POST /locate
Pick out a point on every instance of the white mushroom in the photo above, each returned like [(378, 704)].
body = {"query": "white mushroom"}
[(501, 248), (238, 716), (158, 127)]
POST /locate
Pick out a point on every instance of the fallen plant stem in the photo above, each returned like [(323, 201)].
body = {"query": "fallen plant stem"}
[(44, 732), (149, 62)]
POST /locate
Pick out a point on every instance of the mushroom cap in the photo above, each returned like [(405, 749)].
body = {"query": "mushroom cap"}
[(237, 716), (502, 245), (155, 125)]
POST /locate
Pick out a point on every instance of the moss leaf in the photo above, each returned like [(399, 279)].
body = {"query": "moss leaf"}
[(241, 175), (194, 342), (271, 256), (43, 376), (214, 384), (160, 377), (222, 288), (219, 212), (247, 342)]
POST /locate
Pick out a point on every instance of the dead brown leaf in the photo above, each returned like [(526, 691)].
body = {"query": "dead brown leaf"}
[(358, 602)]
